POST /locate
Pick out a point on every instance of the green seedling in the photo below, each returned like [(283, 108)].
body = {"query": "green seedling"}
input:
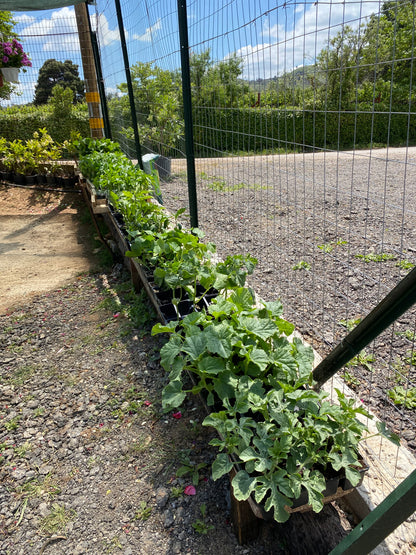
[(200, 526), (372, 257), (329, 247), (350, 380), (362, 359), (57, 519), (144, 512), (405, 397), (191, 468), (405, 264), (302, 265), (350, 324), (12, 424)]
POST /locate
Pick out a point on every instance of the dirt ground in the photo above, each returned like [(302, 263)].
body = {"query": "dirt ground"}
[(45, 241), (88, 461)]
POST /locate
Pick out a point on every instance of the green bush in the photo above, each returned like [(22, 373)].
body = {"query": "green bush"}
[(20, 122), (248, 129)]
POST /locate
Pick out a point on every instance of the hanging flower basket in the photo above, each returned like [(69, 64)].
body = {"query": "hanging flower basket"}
[(10, 74)]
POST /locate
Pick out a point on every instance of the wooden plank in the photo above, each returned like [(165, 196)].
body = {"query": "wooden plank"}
[(385, 518)]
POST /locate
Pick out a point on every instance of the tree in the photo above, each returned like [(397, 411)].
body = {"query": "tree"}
[(217, 84), (54, 73)]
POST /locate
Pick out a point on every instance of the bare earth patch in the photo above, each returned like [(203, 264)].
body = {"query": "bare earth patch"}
[(43, 242)]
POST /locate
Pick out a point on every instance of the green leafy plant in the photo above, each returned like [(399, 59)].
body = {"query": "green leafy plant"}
[(403, 396), (408, 334), (405, 264), (12, 424), (350, 324), (200, 525), (143, 512), (362, 359), (372, 257), (302, 265), (329, 247), (350, 379), (190, 467), (57, 519)]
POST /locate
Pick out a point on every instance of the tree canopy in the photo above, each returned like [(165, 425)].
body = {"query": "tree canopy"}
[(54, 73)]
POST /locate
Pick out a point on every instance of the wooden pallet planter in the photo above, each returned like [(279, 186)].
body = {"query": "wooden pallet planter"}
[(247, 515), (99, 205)]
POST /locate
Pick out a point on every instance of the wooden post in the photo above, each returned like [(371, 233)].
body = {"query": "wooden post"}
[(246, 525), (91, 86)]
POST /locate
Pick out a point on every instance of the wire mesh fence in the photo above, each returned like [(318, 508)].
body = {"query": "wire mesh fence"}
[(304, 123), (305, 134), (50, 38)]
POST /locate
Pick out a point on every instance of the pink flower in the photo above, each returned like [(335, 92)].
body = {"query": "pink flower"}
[(147, 403), (116, 315), (189, 490), (177, 415)]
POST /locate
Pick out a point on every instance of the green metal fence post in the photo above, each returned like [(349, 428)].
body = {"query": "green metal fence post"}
[(187, 112), (400, 299), (385, 518), (129, 84)]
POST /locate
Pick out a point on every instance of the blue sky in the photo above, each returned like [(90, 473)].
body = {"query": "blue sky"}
[(271, 37)]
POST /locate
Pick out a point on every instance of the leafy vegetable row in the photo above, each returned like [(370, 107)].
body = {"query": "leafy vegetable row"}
[(280, 435)]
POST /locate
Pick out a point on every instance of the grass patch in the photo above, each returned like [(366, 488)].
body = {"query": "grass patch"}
[(57, 519)]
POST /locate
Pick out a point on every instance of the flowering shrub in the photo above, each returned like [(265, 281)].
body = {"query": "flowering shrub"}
[(12, 55)]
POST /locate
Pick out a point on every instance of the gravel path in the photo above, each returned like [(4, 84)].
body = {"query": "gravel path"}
[(317, 213), (88, 462)]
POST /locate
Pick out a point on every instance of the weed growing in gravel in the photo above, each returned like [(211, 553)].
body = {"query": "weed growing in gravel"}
[(36, 488), (362, 359), (329, 247), (57, 519), (12, 424), (302, 265), (144, 512), (112, 544), (372, 257), (408, 334), (23, 449), (189, 467), (20, 375), (350, 380), (201, 526), (402, 396), (176, 492), (405, 264), (411, 358), (350, 324)]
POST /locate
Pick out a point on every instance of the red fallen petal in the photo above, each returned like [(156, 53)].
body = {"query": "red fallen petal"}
[(177, 415), (189, 490), (116, 315), (147, 403)]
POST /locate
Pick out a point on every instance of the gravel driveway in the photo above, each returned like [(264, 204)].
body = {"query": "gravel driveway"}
[(310, 219)]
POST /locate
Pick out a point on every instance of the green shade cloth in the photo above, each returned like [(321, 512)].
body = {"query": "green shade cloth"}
[(29, 5)]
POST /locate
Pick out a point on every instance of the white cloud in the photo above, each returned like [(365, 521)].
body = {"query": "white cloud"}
[(57, 32), (24, 19), (298, 36), (148, 34), (106, 35)]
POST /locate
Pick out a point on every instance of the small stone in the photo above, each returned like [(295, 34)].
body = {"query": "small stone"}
[(43, 509), (169, 520), (162, 497)]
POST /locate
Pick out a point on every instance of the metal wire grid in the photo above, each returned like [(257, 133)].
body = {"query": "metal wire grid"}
[(50, 38)]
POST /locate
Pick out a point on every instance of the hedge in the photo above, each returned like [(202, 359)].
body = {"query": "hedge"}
[(20, 122), (254, 129), (219, 130)]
